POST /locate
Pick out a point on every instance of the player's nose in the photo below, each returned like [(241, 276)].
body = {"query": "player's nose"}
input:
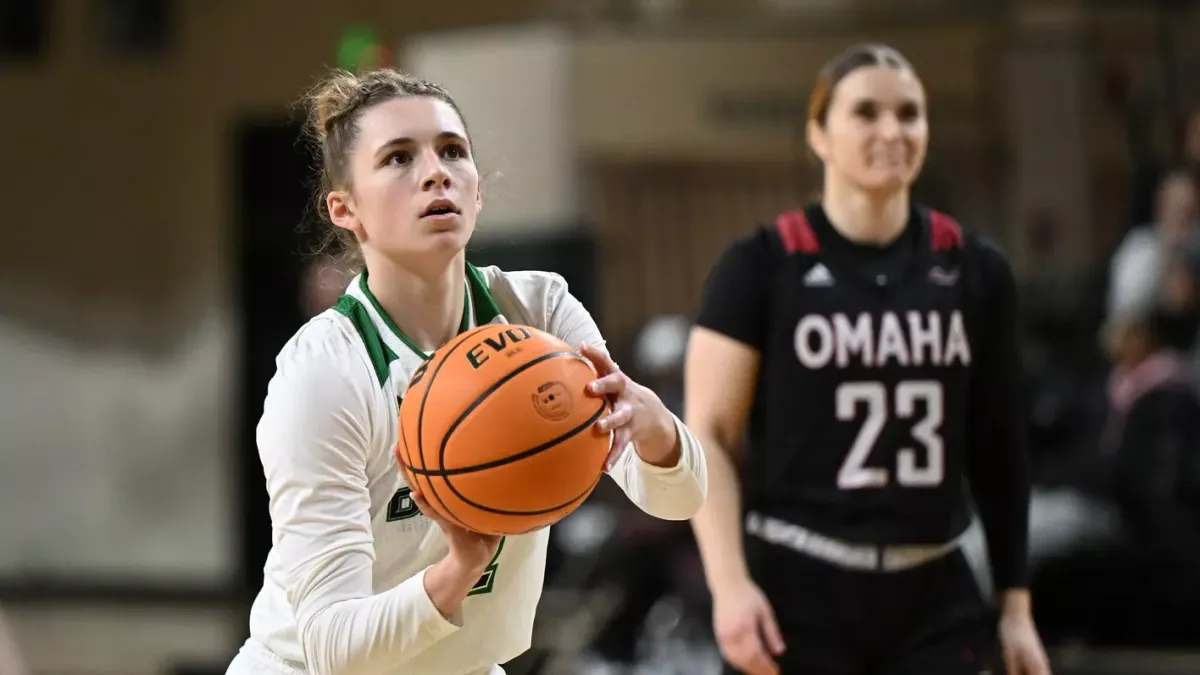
[(888, 126), (433, 172)]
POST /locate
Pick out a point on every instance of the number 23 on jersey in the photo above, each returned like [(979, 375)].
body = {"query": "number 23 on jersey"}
[(922, 466)]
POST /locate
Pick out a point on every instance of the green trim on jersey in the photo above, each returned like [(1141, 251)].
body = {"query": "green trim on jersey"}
[(381, 356), (486, 309), (477, 301), (387, 320)]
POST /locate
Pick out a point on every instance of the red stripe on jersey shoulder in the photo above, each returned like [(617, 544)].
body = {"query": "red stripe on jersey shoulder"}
[(796, 232), (945, 232)]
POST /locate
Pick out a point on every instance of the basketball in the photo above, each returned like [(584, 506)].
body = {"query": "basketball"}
[(498, 432)]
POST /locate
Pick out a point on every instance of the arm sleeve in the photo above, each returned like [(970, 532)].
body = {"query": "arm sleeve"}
[(998, 459), (312, 440), (669, 493), (736, 296)]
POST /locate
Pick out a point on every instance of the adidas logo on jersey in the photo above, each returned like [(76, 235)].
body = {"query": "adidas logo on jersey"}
[(819, 275)]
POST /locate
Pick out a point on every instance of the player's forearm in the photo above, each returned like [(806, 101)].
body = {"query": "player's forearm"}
[(675, 492), (377, 634), (1000, 484), (718, 525)]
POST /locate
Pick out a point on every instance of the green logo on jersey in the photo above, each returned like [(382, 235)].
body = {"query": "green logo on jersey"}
[(488, 580), (402, 506)]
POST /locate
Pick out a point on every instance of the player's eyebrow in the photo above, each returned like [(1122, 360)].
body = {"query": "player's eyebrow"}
[(401, 141)]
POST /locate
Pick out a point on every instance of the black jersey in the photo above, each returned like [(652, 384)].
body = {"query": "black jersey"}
[(888, 375)]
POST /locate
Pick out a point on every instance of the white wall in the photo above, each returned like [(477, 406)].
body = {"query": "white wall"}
[(513, 84)]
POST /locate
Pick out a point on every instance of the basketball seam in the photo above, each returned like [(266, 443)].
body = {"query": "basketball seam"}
[(483, 396), (462, 339), (519, 456), (538, 512), (446, 473)]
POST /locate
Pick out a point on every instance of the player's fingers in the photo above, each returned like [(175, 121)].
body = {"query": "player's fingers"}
[(749, 654), (622, 414), (772, 637), (612, 384), (419, 499), (758, 663), (621, 439), (599, 358)]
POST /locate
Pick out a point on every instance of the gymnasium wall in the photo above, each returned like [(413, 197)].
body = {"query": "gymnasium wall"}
[(118, 331)]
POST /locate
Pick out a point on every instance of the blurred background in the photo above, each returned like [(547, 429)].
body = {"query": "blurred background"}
[(156, 255)]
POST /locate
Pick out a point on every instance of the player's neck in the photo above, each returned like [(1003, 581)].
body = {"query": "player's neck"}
[(427, 309), (865, 218)]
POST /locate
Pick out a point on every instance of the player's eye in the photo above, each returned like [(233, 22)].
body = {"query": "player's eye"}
[(454, 151), (909, 112), (867, 111), (398, 158)]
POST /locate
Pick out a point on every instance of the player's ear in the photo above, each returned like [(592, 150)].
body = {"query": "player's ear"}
[(818, 140), (340, 206)]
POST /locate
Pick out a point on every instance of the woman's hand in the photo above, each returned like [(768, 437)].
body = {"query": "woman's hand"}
[(1023, 650), (449, 581), (638, 416), (471, 550)]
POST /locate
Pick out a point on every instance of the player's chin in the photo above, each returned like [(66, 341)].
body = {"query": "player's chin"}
[(447, 233), (889, 179)]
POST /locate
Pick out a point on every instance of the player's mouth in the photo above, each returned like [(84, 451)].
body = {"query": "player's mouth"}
[(440, 209), (890, 158)]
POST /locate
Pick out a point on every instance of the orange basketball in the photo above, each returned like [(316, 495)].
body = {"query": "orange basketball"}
[(498, 432)]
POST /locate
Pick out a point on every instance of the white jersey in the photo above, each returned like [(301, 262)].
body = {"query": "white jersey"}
[(344, 592)]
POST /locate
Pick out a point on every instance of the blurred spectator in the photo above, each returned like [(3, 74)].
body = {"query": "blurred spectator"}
[(1145, 478), (1152, 441), (1149, 173), (1180, 297), (658, 357), (1138, 264)]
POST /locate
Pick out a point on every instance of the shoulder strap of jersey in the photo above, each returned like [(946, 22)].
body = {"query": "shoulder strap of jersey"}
[(796, 233), (945, 234)]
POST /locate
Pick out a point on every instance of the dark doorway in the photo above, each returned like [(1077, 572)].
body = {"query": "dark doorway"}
[(272, 193)]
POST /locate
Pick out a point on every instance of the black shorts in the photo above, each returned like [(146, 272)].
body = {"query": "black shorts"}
[(928, 620)]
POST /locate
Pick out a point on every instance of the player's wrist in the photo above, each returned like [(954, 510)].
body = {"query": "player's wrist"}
[(1016, 603), (730, 581), (459, 573), (661, 446), (467, 563)]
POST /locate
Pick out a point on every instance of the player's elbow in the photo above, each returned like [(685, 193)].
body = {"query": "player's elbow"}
[(326, 649), (679, 501), (693, 499), (319, 656)]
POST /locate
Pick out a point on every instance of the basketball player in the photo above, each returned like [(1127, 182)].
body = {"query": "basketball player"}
[(362, 578), (867, 348)]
